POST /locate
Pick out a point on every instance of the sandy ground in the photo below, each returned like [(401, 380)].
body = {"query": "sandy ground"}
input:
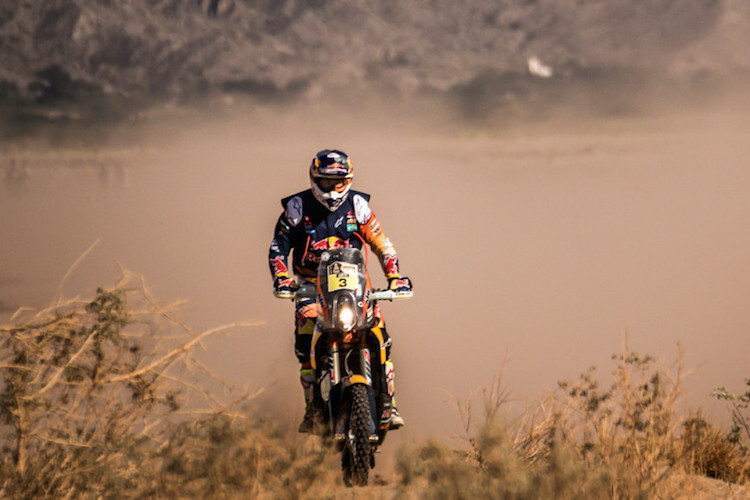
[(546, 245)]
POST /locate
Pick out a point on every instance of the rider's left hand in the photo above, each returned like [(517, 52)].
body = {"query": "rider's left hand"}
[(400, 285)]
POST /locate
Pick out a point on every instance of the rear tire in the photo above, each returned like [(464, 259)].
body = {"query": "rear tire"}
[(358, 451)]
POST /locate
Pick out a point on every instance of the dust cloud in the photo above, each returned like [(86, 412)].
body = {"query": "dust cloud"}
[(545, 244)]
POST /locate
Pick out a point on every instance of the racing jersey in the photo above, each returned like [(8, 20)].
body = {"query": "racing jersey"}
[(306, 229)]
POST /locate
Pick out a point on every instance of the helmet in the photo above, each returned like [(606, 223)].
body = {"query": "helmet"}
[(331, 175)]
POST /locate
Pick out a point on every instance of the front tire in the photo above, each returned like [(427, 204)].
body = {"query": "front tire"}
[(358, 451)]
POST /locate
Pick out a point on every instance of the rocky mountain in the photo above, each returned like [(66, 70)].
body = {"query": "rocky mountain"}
[(61, 49)]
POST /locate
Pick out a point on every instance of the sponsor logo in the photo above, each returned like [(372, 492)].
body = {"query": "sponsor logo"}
[(317, 247), (351, 222), (329, 243), (279, 267), (391, 264), (374, 227), (389, 377)]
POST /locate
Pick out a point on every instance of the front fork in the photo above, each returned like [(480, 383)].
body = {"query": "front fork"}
[(345, 370), (340, 371)]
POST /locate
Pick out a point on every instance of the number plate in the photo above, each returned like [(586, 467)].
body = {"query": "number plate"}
[(342, 277)]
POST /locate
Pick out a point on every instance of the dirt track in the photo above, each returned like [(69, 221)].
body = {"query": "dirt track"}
[(543, 244)]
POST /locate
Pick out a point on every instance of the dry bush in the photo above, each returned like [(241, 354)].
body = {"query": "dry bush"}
[(632, 422), (740, 409), (585, 441), (529, 457), (703, 449), (633, 426), (103, 397), (238, 456), (437, 471), (88, 387)]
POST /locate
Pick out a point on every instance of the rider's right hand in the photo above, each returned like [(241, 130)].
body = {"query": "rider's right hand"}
[(283, 287)]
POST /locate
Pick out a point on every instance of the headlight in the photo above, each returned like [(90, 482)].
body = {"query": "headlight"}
[(346, 317)]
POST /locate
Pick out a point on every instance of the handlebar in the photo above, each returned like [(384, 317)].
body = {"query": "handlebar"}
[(310, 292), (389, 295)]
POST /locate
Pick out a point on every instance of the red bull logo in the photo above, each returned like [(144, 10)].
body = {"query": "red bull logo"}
[(316, 248), (329, 243), (279, 267), (391, 264)]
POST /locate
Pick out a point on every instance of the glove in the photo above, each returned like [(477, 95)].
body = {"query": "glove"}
[(400, 285), (283, 287)]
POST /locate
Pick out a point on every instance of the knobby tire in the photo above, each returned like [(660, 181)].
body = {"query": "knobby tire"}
[(357, 464)]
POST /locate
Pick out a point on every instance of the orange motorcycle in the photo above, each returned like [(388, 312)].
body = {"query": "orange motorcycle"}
[(348, 355)]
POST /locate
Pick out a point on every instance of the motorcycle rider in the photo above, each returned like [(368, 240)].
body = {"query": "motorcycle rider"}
[(328, 215)]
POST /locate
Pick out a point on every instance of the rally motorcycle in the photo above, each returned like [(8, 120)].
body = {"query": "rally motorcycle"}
[(348, 354)]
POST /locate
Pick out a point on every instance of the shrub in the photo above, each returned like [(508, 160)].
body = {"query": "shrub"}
[(705, 450), (740, 432), (94, 396), (621, 441), (87, 388)]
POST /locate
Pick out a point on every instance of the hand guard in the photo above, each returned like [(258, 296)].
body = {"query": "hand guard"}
[(401, 285), (283, 287)]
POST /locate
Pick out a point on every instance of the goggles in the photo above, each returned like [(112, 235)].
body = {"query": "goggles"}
[(334, 184)]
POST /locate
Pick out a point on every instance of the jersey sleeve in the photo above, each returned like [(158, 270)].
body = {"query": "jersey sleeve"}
[(372, 233), (278, 253), (281, 245)]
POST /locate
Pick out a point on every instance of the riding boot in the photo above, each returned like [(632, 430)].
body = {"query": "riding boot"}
[(396, 419), (306, 378)]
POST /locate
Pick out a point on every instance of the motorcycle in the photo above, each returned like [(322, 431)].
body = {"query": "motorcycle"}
[(348, 354)]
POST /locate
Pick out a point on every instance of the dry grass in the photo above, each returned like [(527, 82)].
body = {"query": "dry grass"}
[(623, 441), (104, 397), (89, 386)]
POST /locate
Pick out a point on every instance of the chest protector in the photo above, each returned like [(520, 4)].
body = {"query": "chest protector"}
[(315, 229)]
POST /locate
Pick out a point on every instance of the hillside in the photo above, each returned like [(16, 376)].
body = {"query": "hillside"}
[(65, 49)]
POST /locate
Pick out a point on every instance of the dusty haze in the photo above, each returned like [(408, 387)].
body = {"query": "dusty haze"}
[(546, 244)]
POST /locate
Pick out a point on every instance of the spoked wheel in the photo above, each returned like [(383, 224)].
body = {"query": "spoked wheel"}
[(355, 460)]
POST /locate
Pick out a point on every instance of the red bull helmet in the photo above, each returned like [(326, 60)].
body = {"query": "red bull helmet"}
[(331, 175)]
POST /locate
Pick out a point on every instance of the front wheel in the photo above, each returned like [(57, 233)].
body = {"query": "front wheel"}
[(357, 452)]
